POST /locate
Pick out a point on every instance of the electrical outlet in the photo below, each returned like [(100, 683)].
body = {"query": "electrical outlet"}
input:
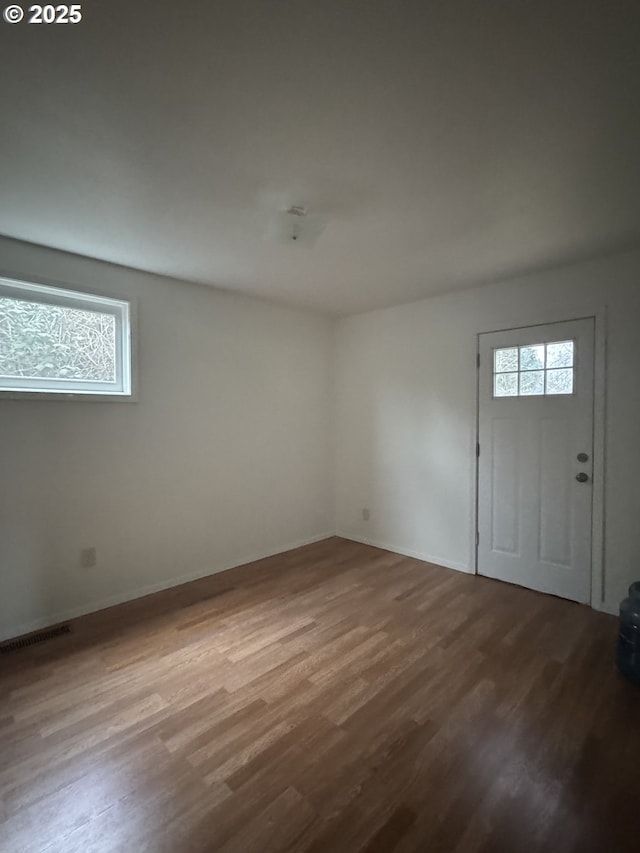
[(88, 558), (366, 515)]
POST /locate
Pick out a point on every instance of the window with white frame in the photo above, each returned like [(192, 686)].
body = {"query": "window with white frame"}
[(58, 341), (536, 370)]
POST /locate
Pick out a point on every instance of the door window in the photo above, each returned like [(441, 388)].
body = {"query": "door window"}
[(534, 370)]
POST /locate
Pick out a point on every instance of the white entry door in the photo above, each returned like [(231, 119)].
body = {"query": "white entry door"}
[(535, 457)]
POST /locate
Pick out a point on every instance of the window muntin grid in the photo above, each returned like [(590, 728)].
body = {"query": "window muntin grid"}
[(534, 370)]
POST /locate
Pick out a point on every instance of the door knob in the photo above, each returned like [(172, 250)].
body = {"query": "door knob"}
[(582, 457), (582, 477)]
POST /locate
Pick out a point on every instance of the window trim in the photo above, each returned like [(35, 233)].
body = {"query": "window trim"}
[(124, 310)]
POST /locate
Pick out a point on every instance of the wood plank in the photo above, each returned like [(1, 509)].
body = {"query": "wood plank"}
[(333, 698)]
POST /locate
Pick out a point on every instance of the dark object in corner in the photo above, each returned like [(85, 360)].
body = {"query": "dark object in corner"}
[(628, 658)]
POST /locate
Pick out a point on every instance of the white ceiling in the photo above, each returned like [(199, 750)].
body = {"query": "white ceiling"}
[(448, 143)]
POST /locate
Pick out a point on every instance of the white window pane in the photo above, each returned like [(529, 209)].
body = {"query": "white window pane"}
[(506, 360), (505, 385), (560, 354), (560, 381), (532, 383), (40, 340), (532, 358)]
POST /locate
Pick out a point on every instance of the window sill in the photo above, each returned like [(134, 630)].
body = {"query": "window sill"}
[(70, 397)]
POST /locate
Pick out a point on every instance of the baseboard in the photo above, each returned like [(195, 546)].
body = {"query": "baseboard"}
[(140, 592), (418, 555)]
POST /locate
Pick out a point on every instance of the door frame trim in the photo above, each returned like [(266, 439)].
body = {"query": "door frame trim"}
[(599, 463)]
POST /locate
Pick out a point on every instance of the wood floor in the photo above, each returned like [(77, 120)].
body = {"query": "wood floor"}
[(335, 698)]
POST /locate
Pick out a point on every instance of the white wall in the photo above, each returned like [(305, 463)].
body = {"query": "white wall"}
[(226, 456), (228, 453), (406, 412)]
